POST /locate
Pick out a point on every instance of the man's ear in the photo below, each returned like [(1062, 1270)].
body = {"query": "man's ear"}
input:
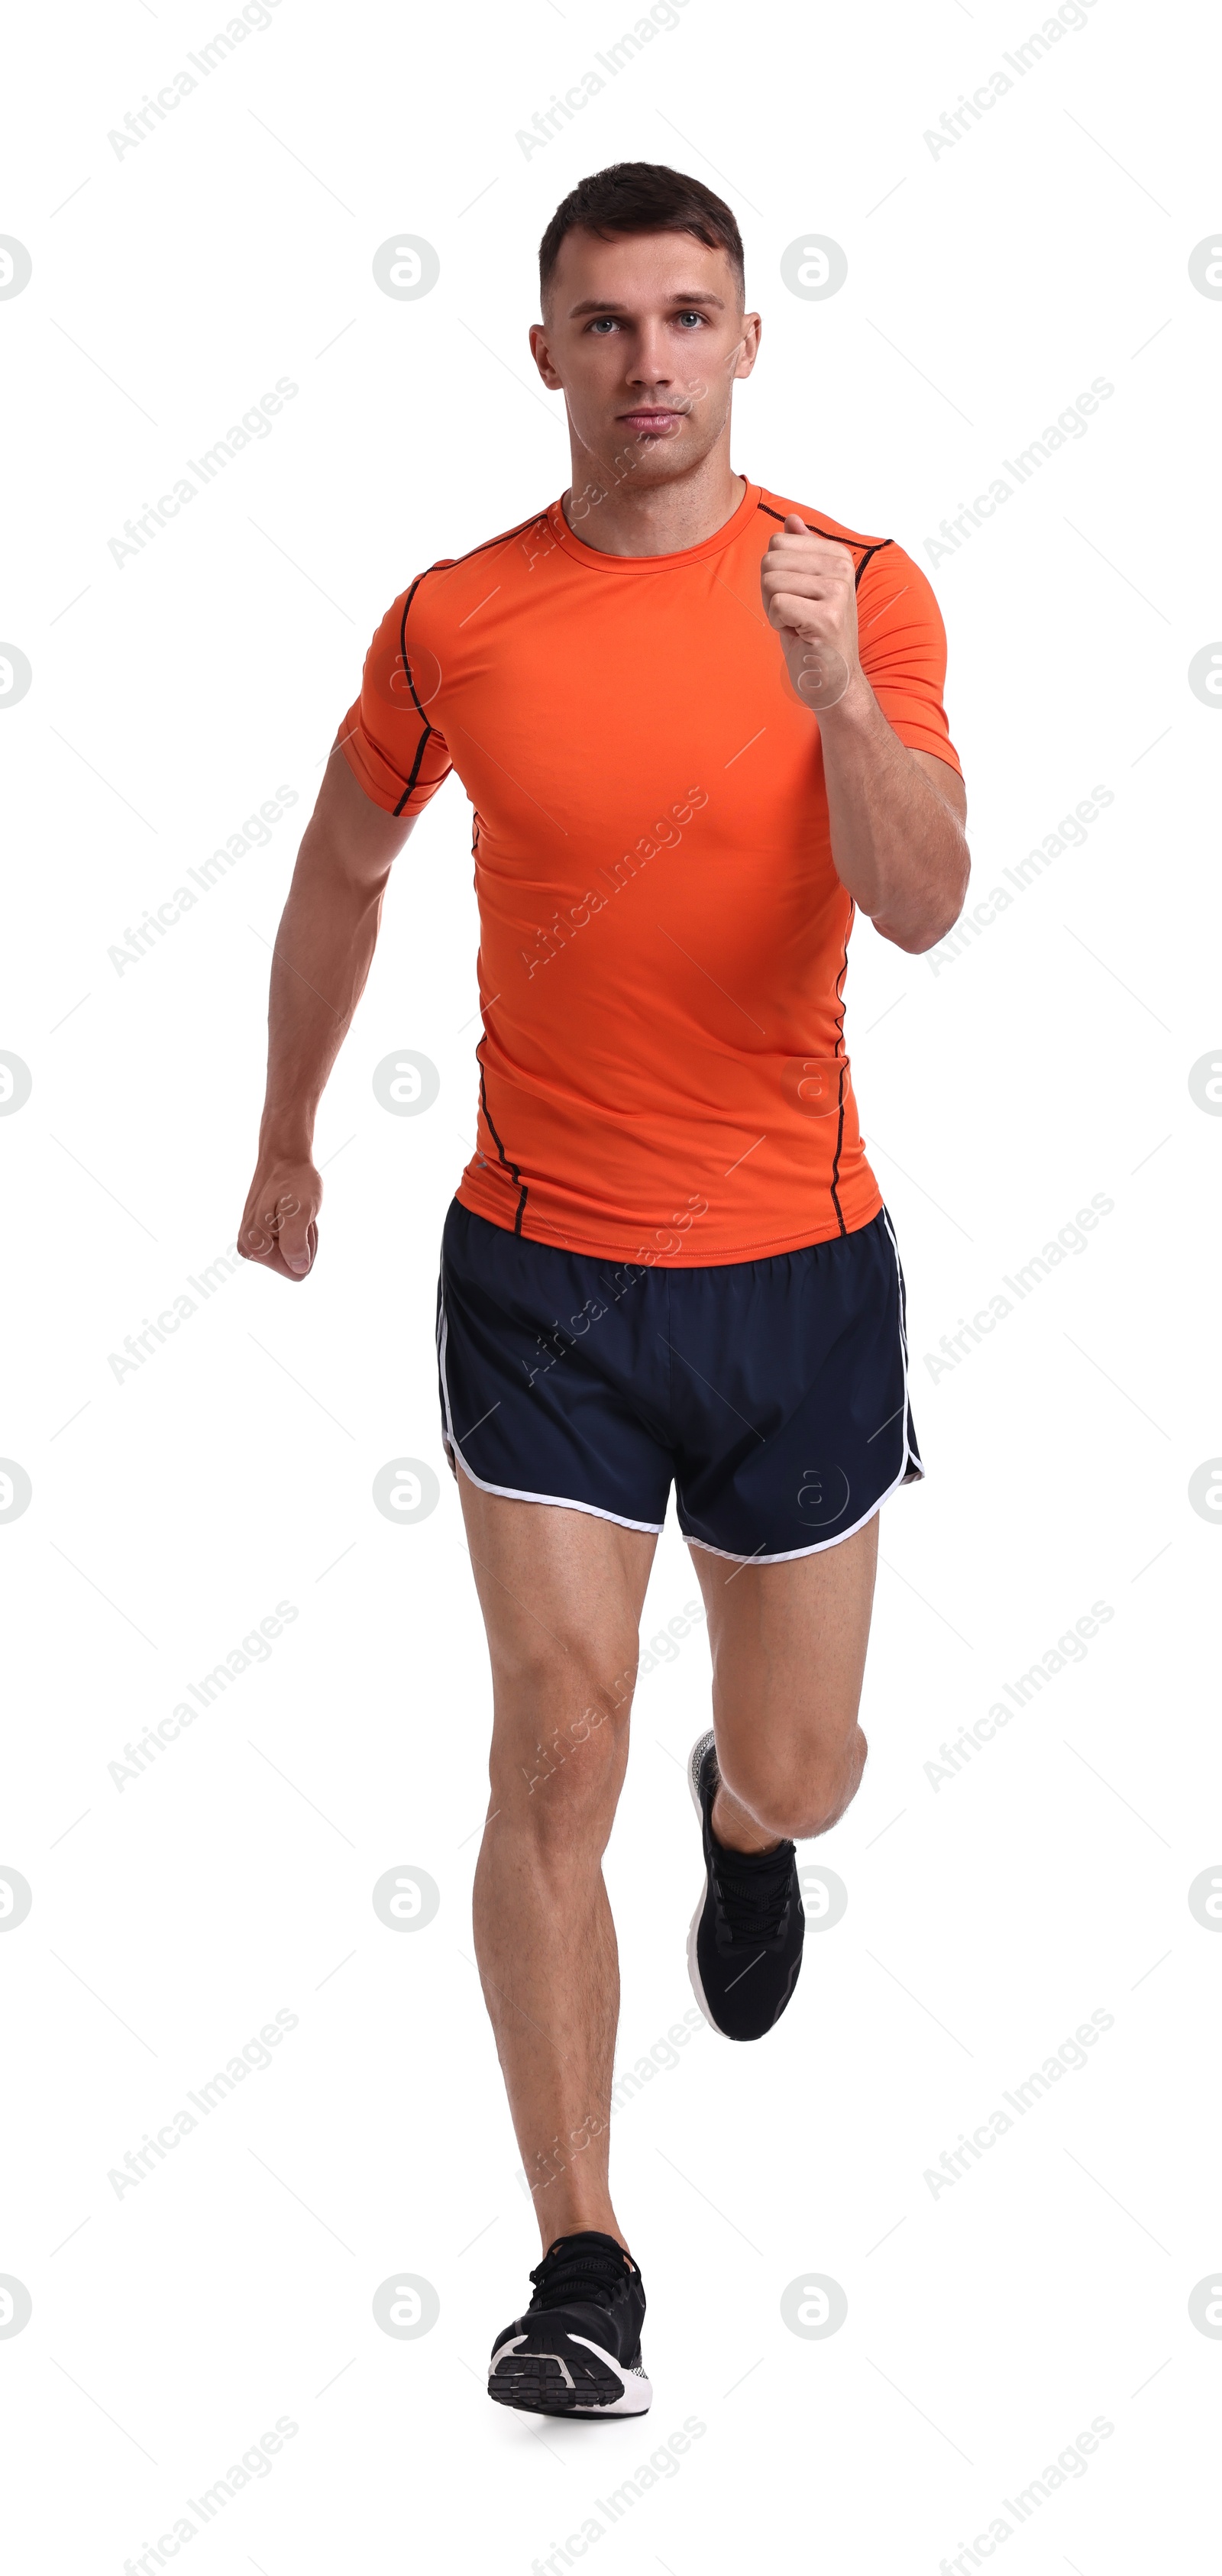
[(540, 353), (752, 334)]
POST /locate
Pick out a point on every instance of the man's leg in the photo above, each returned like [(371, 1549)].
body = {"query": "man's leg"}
[(561, 1593), (789, 1651)]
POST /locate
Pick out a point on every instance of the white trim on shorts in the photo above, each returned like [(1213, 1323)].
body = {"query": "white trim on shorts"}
[(514, 1493), (787, 1556), (819, 1547), (790, 1554)]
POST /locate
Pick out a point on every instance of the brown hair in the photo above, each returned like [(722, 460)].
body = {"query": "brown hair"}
[(641, 197)]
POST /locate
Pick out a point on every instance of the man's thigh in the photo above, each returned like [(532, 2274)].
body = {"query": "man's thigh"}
[(789, 1650), (562, 1594)]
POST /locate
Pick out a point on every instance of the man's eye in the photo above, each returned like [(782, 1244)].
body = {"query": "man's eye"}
[(605, 322), (690, 317)]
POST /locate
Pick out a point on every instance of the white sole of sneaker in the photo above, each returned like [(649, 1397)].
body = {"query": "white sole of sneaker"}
[(638, 2390), (694, 1760), (544, 2384)]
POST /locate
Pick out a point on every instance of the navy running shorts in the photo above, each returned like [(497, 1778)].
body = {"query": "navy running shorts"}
[(773, 1393)]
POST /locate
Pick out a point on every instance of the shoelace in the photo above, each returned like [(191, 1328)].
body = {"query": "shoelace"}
[(754, 1901), (575, 2270)]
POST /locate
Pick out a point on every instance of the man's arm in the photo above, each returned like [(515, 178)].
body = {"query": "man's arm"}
[(896, 815), (897, 821), (324, 949)]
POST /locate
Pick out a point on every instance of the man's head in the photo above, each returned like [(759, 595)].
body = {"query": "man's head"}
[(641, 281)]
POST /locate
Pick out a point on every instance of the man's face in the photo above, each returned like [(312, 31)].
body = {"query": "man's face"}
[(645, 335)]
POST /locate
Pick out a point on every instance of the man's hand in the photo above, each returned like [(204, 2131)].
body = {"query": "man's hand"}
[(896, 815), (280, 1220), (810, 598), (322, 956)]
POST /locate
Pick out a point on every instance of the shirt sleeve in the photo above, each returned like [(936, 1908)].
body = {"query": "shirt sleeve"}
[(391, 738), (902, 643)]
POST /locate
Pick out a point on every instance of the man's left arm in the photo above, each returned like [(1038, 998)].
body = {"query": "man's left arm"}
[(896, 814)]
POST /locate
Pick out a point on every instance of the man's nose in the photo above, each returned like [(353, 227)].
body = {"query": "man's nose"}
[(652, 363)]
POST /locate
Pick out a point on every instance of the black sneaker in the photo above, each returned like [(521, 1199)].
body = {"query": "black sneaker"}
[(744, 1949), (577, 2350)]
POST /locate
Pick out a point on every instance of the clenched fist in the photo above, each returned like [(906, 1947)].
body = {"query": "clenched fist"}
[(809, 596), (279, 1225)]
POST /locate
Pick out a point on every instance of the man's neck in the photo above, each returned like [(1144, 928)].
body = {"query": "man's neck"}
[(663, 519)]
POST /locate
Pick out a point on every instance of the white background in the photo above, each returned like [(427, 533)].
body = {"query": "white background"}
[(987, 1915)]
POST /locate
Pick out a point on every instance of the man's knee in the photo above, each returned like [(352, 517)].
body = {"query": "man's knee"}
[(554, 1668), (559, 1737), (802, 1795)]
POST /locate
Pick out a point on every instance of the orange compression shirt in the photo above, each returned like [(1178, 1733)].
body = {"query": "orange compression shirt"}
[(663, 935)]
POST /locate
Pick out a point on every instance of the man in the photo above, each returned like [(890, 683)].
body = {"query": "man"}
[(699, 726)]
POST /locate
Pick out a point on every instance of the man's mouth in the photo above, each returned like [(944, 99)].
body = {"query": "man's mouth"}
[(652, 419)]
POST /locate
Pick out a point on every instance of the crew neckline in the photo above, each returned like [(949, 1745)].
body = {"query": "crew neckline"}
[(597, 561)]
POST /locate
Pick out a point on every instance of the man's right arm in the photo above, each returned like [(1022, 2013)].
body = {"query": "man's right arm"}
[(324, 948)]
